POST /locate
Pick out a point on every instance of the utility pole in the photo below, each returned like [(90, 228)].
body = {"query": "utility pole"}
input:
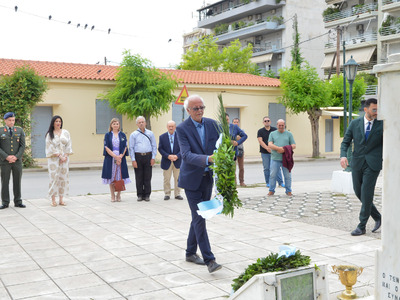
[(338, 38)]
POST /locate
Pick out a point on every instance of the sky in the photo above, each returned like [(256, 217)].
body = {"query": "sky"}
[(143, 27)]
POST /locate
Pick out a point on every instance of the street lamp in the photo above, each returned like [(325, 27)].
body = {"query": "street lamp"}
[(350, 69)]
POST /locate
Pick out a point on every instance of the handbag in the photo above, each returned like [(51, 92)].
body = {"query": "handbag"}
[(119, 185)]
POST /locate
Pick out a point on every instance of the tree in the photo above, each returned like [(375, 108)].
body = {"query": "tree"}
[(19, 93), (336, 92), (304, 91), (297, 60), (207, 57), (141, 89)]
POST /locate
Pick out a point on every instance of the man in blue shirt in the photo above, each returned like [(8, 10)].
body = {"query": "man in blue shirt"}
[(143, 151)]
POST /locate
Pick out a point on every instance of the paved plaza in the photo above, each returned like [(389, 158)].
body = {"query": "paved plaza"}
[(96, 249)]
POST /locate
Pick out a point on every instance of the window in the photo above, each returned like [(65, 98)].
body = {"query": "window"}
[(104, 114)]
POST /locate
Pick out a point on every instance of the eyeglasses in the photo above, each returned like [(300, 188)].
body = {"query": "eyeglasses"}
[(374, 110), (267, 121), (197, 108)]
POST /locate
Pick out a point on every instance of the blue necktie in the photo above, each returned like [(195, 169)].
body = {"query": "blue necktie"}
[(199, 126), (172, 143), (367, 131)]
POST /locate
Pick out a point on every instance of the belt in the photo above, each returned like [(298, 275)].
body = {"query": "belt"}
[(142, 154)]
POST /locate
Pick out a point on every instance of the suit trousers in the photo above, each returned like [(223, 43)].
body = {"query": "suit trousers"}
[(198, 231), (6, 170), (364, 181), (143, 174), (240, 162), (167, 180)]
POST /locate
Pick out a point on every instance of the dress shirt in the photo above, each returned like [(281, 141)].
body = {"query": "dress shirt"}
[(366, 124), (171, 141), (201, 131), (141, 144)]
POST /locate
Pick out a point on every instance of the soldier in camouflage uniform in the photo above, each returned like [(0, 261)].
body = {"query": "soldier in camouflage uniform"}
[(12, 146)]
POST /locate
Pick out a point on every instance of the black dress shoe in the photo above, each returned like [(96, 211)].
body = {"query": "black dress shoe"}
[(166, 197), (3, 206), (377, 225), (20, 205), (179, 197), (195, 259), (147, 199), (139, 199), (357, 232), (213, 266)]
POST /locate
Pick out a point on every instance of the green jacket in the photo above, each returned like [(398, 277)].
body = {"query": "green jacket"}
[(11, 145), (370, 150)]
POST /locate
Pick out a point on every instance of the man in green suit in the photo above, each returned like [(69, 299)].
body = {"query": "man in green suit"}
[(12, 146), (367, 134)]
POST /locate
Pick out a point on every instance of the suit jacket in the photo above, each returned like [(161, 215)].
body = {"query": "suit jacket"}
[(370, 150), (108, 160), (194, 155), (11, 145), (235, 131), (164, 147)]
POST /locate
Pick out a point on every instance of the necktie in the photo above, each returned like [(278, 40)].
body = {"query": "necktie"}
[(10, 131), (201, 133), (172, 142), (367, 131)]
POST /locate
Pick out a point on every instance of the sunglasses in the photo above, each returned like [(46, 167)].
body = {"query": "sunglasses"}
[(197, 108), (267, 121)]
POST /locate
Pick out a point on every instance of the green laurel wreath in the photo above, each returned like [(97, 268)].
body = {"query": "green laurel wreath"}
[(224, 166)]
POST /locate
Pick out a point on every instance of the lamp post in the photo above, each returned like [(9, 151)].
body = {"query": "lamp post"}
[(350, 69)]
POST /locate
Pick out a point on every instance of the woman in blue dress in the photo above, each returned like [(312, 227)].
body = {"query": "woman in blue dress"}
[(115, 152)]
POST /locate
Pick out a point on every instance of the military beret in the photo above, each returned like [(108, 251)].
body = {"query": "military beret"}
[(9, 115)]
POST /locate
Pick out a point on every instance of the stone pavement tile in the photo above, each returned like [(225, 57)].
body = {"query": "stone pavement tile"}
[(56, 296), (53, 252), (265, 244), (229, 256), (78, 281), (67, 271), (110, 241), (288, 238), (162, 294), (99, 292), (199, 291), (20, 266), (128, 251), (24, 277), (224, 284), (357, 248), (333, 251), (3, 292), (96, 254), (107, 264), (68, 240), (309, 245), (331, 241), (231, 245), (181, 278), (160, 268), (172, 255), (33, 289), (120, 274), (8, 241), (136, 286), (202, 273), (160, 246), (48, 262), (144, 259)]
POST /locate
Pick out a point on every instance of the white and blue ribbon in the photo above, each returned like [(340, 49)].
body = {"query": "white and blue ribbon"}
[(287, 251)]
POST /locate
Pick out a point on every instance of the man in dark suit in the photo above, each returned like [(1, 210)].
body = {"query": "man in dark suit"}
[(168, 147), (367, 134), (12, 147), (197, 137)]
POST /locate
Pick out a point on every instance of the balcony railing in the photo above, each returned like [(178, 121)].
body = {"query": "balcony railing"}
[(385, 2), (371, 90), (270, 48), (355, 40), (362, 67), (357, 10), (389, 30)]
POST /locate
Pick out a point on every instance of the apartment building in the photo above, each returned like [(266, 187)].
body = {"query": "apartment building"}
[(268, 26)]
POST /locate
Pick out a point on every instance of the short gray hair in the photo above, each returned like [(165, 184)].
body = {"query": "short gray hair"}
[(140, 117), (188, 99)]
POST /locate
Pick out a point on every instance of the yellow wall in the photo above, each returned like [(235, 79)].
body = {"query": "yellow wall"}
[(75, 101)]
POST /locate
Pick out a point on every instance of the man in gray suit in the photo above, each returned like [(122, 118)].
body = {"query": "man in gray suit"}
[(367, 134)]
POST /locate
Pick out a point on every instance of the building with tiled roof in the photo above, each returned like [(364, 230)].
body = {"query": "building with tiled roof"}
[(75, 93)]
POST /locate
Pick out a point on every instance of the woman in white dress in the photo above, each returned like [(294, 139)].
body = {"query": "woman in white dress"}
[(58, 150)]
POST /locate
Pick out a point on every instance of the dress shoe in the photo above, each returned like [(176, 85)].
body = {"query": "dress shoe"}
[(179, 197), (3, 206), (271, 193), (139, 199), (213, 266), (147, 199), (377, 225), (357, 232), (20, 205), (166, 197), (289, 194), (195, 259)]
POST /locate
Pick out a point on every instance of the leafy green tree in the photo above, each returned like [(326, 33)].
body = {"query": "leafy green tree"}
[(304, 91), (205, 56), (141, 89), (336, 92), (297, 60), (19, 93)]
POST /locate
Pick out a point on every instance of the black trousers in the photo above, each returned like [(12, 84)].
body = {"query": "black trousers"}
[(143, 174)]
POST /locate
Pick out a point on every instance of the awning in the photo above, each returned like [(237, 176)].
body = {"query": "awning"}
[(261, 58), (337, 113), (329, 2), (361, 56)]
